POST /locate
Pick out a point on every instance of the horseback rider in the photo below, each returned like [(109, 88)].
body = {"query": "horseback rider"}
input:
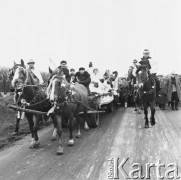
[(34, 72), (144, 65)]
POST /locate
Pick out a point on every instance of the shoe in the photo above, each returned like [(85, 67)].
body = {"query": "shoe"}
[(176, 108), (173, 108)]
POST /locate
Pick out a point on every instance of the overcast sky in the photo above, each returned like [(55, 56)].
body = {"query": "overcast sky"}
[(110, 33)]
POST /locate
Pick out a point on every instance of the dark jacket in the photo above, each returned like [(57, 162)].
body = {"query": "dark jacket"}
[(65, 72), (83, 78), (145, 62)]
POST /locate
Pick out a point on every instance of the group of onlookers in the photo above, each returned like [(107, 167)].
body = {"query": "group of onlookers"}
[(169, 90)]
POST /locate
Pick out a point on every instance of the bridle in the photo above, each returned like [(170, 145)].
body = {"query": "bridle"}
[(65, 95)]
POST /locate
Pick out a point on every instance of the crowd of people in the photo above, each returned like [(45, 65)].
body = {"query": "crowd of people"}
[(169, 87)]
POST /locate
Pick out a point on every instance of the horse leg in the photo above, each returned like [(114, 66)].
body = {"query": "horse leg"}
[(71, 141), (58, 122), (86, 127), (31, 124), (78, 127), (152, 118), (54, 120), (17, 126), (146, 115), (35, 130), (18, 118)]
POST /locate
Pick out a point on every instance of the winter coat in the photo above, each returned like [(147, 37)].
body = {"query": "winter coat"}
[(169, 88), (83, 78)]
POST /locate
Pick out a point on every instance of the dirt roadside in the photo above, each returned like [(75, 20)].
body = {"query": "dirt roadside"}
[(8, 121)]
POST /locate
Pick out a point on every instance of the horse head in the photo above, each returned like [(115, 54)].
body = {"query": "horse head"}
[(57, 87), (18, 75)]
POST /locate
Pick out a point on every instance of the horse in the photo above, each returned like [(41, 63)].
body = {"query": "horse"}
[(67, 101), (147, 91), (30, 96), (19, 114)]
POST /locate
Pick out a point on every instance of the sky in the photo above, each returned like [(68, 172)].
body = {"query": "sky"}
[(110, 33)]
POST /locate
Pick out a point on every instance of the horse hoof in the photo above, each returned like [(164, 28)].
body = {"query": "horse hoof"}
[(153, 123), (54, 138), (146, 126), (71, 142), (60, 150), (32, 144), (86, 128), (36, 144), (15, 133), (78, 135)]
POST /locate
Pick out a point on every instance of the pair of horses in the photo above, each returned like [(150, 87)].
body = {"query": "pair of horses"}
[(60, 101)]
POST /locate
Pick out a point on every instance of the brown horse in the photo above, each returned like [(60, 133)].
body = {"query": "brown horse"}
[(19, 114), (147, 91), (66, 102), (28, 95)]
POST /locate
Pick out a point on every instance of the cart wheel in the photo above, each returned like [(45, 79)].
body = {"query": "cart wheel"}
[(110, 107)]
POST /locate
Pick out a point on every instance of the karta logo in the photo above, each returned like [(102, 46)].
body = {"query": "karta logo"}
[(117, 170)]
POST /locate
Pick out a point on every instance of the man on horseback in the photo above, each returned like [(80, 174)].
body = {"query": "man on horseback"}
[(34, 72), (147, 86)]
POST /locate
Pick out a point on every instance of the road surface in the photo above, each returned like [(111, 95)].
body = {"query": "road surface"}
[(121, 134)]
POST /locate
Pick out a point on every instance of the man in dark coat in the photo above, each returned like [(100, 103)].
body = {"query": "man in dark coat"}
[(144, 63), (63, 67), (174, 90), (83, 77)]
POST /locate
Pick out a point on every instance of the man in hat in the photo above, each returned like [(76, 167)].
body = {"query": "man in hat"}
[(174, 90), (144, 63), (34, 72), (83, 77), (145, 59), (63, 68)]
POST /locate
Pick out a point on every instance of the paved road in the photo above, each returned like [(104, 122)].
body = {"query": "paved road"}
[(121, 134)]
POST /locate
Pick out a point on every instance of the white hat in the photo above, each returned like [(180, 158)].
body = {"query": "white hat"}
[(30, 61), (173, 72), (146, 51)]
